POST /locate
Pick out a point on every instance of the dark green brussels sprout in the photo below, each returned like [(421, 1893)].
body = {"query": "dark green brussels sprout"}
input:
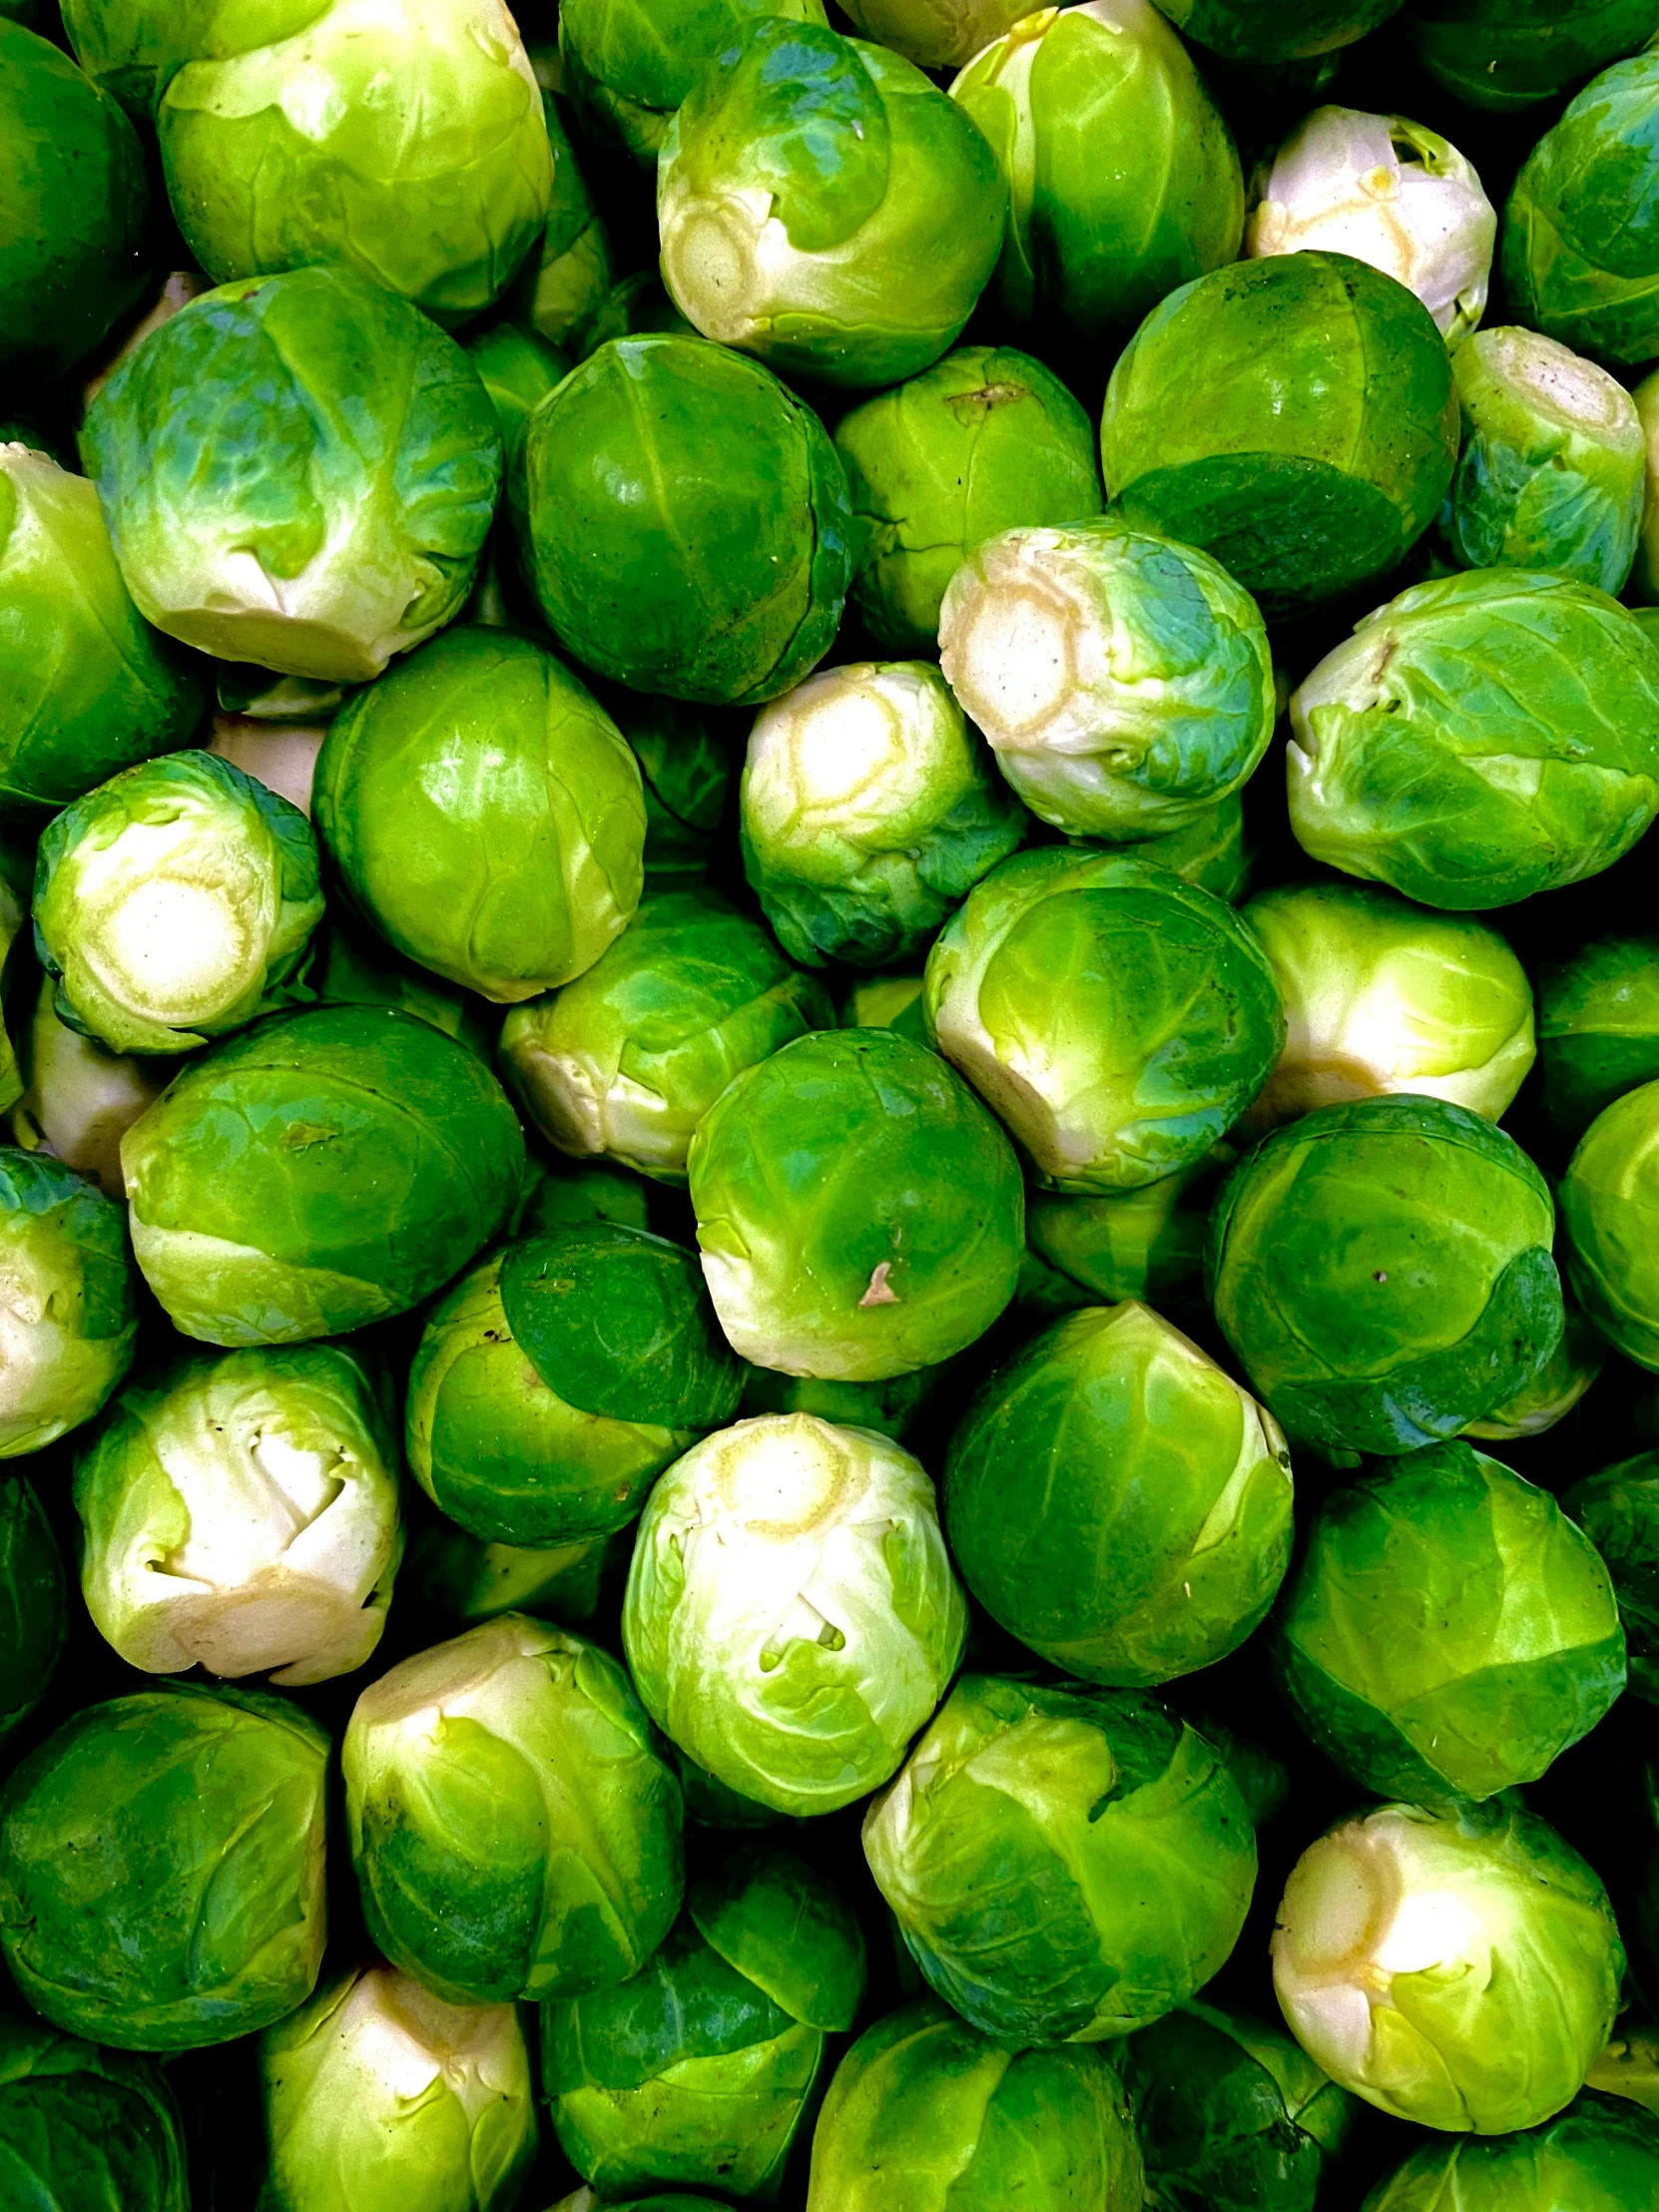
[(514, 1831), (1599, 1030), (559, 1193), (353, 967), (823, 206), (886, 1002), (1265, 31), (334, 524), (83, 2128), (1609, 1210), (518, 368), (687, 769), (687, 527), (1599, 2155), (639, 306), (562, 287), (1556, 1388), (924, 2096), (78, 1100), (702, 2068), (34, 1614), (160, 1868), (1146, 1243), (70, 1317), (471, 1580), (325, 1169), (1064, 1863), (629, 63), (1382, 1271), (894, 1407), (1510, 55), (713, 1804), (1619, 1510), (1294, 416)]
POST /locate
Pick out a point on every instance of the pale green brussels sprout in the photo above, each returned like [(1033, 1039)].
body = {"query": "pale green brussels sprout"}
[(629, 63), (686, 767), (78, 1100), (336, 524), (34, 1614), (485, 814), (1211, 850), (1479, 740), (868, 810), (325, 1169), (1386, 192), (936, 34), (563, 284), (69, 1315), (1065, 1864), (1553, 467), (83, 2127), (1599, 2155), (1265, 31), (162, 1868), (1510, 55), (378, 2094), (518, 368), (1459, 1970), (703, 2069), (1610, 1212), (1619, 1510), (925, 2096), (470, 1580), (1565, 1377), (1124, 681), (1115, 1500), (1381, 996), (823, 206), (627, 1060), (1294, 416), (1093, 244), (1146, 1243), (85, 686), (240, 1513), (242, 687), (983, 441), (1382, 1272), (514, 1830), (859, 1213), (1118, 1019), (886, 1002), (281, 755), (792, 1617)]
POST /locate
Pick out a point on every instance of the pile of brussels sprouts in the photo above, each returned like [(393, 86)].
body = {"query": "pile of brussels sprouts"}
[(830, 1106)]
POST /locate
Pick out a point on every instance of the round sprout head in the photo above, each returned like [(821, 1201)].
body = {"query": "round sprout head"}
[(1609, 1205), (1494, 56), (78, 1100), (938, 34), (73, 2118), (1263, 31), (69, 1315), (1600, 2155), (1619, 1510), (1645, 574), (630, 63)]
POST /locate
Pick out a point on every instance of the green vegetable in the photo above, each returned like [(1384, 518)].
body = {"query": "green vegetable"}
[(1599, 2155), (1556, 1388), (562, 285), (1506, 57), (687, 766), (1599, 1030), (1263, 31), (518, 368), (33, 1617), (938, 34), (1609, 1197), (83, 2127), (630, 64), (68, 1321), (78, 1100), (354, 968), (1619, 1510), (471, 1581), (1146, 1243)]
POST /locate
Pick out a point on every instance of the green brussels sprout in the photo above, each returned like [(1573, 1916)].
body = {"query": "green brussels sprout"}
[(1118, 1019), (353, 967), (160, 1868), (1505, 56), (1115, 1500), (629, 63), (1294, 416), (245, 689), (869, 811), (554, 1384), (471, 1581), (859, 1211), (1479, 740), (924, 2096), (78, 1100), (560, 1193), (1125, 681), (639, 306), (886, 1002), (792, 1618), (327, 1168), (1582, 225), (1619, 1510), (485, 812), (1264, 31), (627, 1060), (240, 1513), (1459, 1970), (1569, 1372), (985, 439), (712, 1803), (687, 769), (1382, 1272), (935, 34), (332, 523), (1233, 2115), (1610, 1199), (1065, 1864), (518, 368), (562, 287), (379, 2095), (82, 2129), (825, 207), (514, 1831), (1146, 1243), (1598, 2156), (1599, 1030), (1644, 576), (1210, 850), (1380, 997), (34, 1622), (687, 527), (703, 2069), (894, 1407), (85, 686), (1094, 244), (68, 1321)]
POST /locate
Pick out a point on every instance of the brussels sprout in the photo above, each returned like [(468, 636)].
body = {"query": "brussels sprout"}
[(1510, 55), (1294, 416), (870, 810), (1125, 681), (1390, 193), (1380, 997), (1232, 2114), (702, 2068), (983, 441), (1569, 1372), (893, 1408), (82, 2129), (886, 1002), (639, 306), (1618, 1509), (323, 1170), (557, 1381), (69, 1318), (1596, 2156), (924, 2096), (281, 755), (629, 63), (859, 1212), (1210, 850), (85, 686), (560, 1193), (562, 287), (243, 688), (627, 1060), (1094, 244), (78, 1100), (1609, 1199), (1479, 740), (1146, 1243), (1118, 1019), (822, 206), (1382, 1271), (687, 769), (687, 527), (518, 368), (34, 1623), (472, 1581), (514, 1831), (354, 968), (337, 522), (1551, 472), (1117, 1503), (1581, 227), (792, 1618), (1644, 576), (379, 2095), (936, 34), (1265, 31), (1459, 1970), (1065, 1864), (712, 1803), (160, 1868)]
